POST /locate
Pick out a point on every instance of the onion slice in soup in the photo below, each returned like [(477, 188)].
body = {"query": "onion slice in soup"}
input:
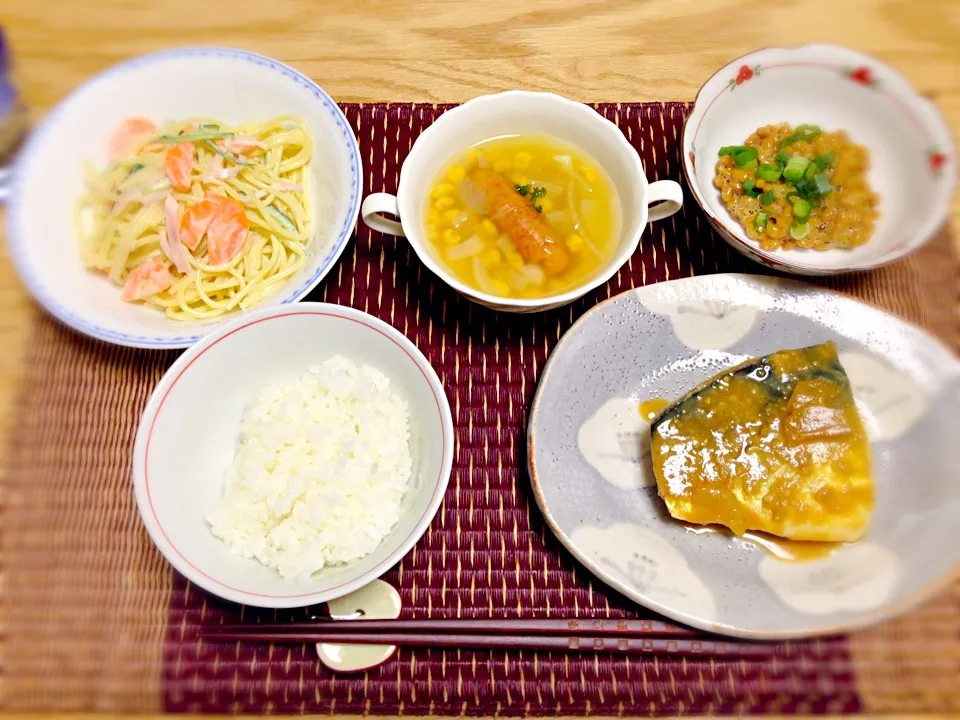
[(484, 281), (534, 273), (468, 248)]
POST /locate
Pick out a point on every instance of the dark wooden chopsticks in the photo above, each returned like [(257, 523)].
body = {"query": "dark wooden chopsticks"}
[(490, 626), (651, 637)]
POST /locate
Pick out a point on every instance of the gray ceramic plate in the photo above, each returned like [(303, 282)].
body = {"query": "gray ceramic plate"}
[(590, 466)]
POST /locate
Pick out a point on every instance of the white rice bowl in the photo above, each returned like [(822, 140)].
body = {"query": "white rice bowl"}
[(188, 446)]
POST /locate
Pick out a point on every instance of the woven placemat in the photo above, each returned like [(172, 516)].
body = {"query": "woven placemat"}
[(96, 620)]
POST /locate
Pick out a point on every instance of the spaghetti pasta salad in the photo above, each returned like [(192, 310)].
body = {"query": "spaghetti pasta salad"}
[(199, 218)]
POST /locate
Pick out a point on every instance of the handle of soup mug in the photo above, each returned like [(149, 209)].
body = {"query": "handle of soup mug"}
[(377, 203), (669, 196)]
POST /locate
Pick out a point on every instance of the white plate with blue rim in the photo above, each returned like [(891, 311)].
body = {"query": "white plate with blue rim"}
[(589, 455), (233, 85)]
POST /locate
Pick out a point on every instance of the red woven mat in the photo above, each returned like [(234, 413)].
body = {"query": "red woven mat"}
[(95, 620), (488, 552)]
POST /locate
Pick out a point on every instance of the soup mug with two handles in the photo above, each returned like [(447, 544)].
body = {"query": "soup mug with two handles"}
[(514, 113)]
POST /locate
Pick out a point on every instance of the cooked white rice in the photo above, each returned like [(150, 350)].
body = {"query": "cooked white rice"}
[(321, 468)]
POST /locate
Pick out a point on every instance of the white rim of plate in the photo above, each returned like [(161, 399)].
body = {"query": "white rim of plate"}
[(32, 279), (833, 59), (141, 479)]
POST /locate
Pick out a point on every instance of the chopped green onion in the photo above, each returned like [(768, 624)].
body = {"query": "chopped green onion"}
[(807, 132), (769, 172), (822, 183), (791, 196), (282, 219), (220, 151), (803, 132), (135, 168), (767, 197), (731, 150), (751, 165), (824, 160), (783, 157), (750, 188), (760, 222), (799, 232), (193, 137), (741, 159), (801, 209), (795, 168), (811, 171), (208, 126)]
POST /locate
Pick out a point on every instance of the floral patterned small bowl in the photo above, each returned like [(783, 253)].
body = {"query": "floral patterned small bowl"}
[(913, 161)]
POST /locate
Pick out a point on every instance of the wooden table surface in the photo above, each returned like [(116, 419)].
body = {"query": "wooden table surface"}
[(442, 51)]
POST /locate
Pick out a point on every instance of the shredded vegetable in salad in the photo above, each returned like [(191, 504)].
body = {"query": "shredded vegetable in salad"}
[(199, 218)]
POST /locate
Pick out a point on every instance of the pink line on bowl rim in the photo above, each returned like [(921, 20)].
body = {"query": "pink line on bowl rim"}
[(146, 455), (891, 96)]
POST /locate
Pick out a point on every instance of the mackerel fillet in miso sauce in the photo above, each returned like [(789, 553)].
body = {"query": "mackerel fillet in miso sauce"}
[(774, 445)]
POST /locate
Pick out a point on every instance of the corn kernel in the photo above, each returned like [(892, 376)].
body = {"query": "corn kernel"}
[(491, 257), (442, 190), (451, 237), (456, 174), (489, 229), (589, 174), (450, 215), (575, 242), (514, 260), (500, 288), (501, 166), (433, 217), (444, 203), (471, 160), (546, 205), (521, 161), (432, 232)]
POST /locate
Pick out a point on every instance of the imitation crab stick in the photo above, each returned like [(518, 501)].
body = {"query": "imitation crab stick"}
[(178, 165), (129, 136), (147, 278)]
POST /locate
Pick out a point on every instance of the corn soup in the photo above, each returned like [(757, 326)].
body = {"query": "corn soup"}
[(523, 216)]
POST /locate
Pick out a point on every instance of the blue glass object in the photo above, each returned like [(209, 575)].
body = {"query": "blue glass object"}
[(8, 94), (13, 116)]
